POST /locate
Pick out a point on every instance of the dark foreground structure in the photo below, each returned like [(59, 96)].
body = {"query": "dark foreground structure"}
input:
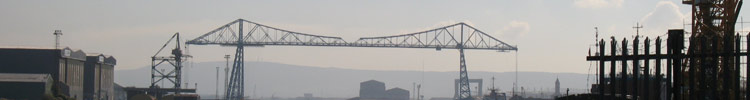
[(683, 79), (74, 74), (705, 67), (25, 86)]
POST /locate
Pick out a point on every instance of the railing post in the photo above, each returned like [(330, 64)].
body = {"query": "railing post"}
[(658, 68), (601, 69), (636, 69), (736, 74), (747, 68), (612, 69), (725, 65), (675, 45), (646, 70), (624, 72)]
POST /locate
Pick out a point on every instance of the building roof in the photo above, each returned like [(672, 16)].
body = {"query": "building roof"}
[(26, 47), (94, 54), (67, 52), (397, 89), (372, 81), (78, 54), (110, 60), (24, 77)]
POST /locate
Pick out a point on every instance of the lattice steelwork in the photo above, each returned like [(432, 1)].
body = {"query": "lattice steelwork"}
[(712, 19), (457, 36), (173, 73), (260, 35), (449, 37)]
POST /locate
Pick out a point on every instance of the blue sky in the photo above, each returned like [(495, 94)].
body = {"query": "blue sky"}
[(552, 35)]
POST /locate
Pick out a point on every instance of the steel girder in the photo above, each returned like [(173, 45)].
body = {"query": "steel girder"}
[(439, 38), (458, 36)]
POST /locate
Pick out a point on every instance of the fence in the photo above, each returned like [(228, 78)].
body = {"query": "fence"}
[(709, 70)]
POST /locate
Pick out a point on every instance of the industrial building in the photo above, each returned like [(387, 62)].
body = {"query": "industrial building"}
[(119, 92), (371, 89), (66, 66), (98, 77), (375, 90), (25, 86), (397, 94)]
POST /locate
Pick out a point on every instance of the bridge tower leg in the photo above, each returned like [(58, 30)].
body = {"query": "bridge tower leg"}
[(465, 89), (236, 89)]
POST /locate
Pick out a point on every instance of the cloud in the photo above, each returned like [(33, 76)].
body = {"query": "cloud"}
[(598, 3), (665, 16), (515, 29)]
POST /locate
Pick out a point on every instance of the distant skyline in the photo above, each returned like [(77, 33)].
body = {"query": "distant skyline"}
[(552, 35), (288, 81)]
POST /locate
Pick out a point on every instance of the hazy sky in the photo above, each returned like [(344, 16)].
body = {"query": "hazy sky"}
[(552, 35)]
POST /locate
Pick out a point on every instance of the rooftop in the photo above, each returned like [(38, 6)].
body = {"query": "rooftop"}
[(23, 77)]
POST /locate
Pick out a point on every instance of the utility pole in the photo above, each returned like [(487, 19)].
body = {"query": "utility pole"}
[(419, 88), (493, 82), (226, 72), (515, 82), (57, 38), (217, 83), (255, 87), (637, 27)]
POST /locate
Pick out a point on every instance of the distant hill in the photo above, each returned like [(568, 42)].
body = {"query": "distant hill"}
[(283, 80)]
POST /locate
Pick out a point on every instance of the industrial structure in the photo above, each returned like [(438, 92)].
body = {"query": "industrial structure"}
[(709, 70), (25, 86), (711, 77), (241, 33), (99, 76), (371, 89), (173, 73), (557, 88), (457, 86), (165, 68), (375, 90), (641, 84), (67, 67), (494, 93)]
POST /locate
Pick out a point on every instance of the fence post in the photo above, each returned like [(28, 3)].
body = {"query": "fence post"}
[(725, 62), (747, 68), (646, 70), (736, 74), (675, 44), (624, 71), (715, 70), (658, 68), (636, 68), (601, 69), (612, 73)]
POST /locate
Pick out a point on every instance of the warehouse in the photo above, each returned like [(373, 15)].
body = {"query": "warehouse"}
[(25, 86), (65, 66), (98, 74)]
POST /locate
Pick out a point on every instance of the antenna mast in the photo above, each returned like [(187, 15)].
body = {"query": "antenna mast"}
[(57, 38), (637, 27)]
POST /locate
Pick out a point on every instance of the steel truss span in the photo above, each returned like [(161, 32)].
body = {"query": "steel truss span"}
[(242, 33)]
